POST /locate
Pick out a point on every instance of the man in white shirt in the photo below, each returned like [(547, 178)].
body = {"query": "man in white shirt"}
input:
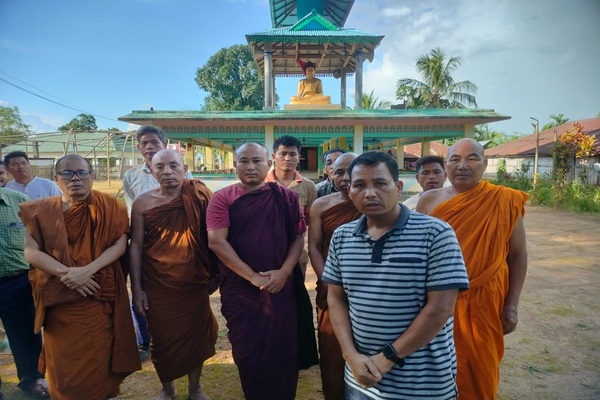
[(151, 140), (17, 163), (431, 174)]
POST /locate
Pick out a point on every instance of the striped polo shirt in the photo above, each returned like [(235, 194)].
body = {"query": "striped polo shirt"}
[(386, 282)]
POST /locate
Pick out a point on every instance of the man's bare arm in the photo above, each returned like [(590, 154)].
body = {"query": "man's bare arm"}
[(362, 367), (315, 239), (517, 270), (136, 256), (425, 327)]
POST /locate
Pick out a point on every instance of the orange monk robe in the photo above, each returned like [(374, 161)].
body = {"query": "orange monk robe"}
[(89, 342), (331, 360), (484, 219), (176, 272)]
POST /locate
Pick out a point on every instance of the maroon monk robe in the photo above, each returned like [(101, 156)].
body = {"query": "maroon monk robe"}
[(263, 326)]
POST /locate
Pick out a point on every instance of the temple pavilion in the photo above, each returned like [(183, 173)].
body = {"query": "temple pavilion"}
[(312, 30)]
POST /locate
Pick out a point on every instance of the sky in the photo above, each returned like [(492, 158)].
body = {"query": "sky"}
[(107, 58)]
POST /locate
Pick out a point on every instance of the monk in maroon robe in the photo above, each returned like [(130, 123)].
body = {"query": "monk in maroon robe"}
[(171, 268), (256, 229), (74, 241), (327, 214)]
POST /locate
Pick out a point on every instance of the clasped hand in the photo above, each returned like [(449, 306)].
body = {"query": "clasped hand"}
[(366, 369), (271, 281), (80, 279)]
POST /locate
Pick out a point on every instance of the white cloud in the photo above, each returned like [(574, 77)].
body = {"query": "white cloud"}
[(396, 12), (532, 58)]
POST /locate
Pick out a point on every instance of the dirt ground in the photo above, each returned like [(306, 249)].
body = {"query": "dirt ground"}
[(554, 354)]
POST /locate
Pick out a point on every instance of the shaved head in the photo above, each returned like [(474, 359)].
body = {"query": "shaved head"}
[(477, 147), (243, 147)]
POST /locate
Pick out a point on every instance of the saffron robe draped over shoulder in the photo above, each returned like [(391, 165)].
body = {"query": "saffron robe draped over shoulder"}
[(89, 342), (263, 326), (176, 272), (331, 360), (484, 219)]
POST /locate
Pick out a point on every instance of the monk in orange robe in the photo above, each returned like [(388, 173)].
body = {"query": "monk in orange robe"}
[(171, 268), (488, 221), (328, 213), (74, 241)]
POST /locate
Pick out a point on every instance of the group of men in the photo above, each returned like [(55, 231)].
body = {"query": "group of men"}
[(397, 291)]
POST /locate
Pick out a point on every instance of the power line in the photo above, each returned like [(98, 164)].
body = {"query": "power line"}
[(36, 88), (56, 102)]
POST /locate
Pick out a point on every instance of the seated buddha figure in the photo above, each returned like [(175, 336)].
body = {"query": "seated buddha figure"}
[(310, 89)]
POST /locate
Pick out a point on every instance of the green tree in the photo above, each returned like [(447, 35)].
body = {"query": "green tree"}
[(438, 89), (232, 80), (372, 102), (483, 133), (557, 120), (12, 127), (83, 122)]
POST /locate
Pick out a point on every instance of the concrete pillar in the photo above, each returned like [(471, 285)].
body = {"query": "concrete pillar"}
[(358, 83), (400, 153), (425, 147), (268, 60), (358, 139), (469, 130), (269, 138), (343, 88)]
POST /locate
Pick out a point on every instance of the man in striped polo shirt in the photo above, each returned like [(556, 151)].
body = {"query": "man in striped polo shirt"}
[(394, 277)]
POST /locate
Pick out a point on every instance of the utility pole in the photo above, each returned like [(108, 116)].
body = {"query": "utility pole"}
[(537, 151)]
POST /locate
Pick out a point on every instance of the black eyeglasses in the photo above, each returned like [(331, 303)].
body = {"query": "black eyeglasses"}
[(68, 174)]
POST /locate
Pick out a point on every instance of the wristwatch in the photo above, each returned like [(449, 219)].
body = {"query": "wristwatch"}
[(390, 353)]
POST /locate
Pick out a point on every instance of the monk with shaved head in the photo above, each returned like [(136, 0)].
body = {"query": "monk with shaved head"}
[(171, 270), (75, 241), (488, 221), (326, 214)]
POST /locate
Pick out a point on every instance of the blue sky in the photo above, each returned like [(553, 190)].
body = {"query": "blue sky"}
[(109, 57)]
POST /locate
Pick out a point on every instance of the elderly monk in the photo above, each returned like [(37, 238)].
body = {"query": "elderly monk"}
[(171, 267), (256, 228), (328, 213), (488, 221), (74, 242)]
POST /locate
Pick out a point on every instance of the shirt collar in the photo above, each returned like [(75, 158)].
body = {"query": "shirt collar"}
[(361, 226)]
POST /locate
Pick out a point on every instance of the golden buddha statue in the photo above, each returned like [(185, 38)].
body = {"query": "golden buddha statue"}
[(310, 89)]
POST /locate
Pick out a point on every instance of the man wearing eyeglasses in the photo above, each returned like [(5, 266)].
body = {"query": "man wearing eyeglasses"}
[(74, 242), (17, 163)]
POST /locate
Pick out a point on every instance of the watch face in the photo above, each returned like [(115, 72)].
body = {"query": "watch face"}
[(389, 352)]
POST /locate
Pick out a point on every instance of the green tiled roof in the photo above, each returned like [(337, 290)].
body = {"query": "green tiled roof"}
[(313, 38), (314, 127), (285, 12)]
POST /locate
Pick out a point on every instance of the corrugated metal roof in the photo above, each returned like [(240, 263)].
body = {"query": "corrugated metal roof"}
[(525, 146), (80, 142)]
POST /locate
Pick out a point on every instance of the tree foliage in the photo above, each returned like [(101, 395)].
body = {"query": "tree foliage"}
[(232, 80), (557, 120), (83, 122), (438, 89), (372, 102), (485, 133), (574, 143), (12, 127)]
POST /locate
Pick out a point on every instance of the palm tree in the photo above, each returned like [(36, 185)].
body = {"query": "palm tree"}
[(556, 121), (438, 89), (372, 102)]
